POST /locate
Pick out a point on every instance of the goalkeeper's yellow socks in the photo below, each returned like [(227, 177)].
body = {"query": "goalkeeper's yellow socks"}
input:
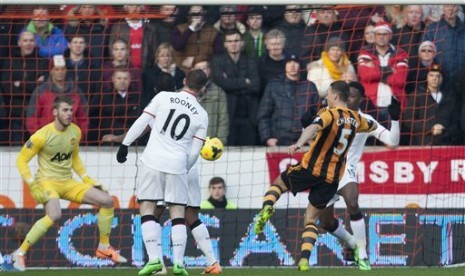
[(37, 231), (272, 195), (309, 237), (105, 217)]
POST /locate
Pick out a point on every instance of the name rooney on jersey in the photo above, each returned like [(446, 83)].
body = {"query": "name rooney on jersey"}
[(186, 104)]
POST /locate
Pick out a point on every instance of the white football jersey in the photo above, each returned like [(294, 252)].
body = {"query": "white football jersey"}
[(178, 118), (356, 148)]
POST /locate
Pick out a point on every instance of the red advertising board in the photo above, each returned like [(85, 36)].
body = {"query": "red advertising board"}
[(399, 171)]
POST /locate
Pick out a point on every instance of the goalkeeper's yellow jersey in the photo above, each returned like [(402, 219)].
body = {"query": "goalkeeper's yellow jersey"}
[(58, 153)]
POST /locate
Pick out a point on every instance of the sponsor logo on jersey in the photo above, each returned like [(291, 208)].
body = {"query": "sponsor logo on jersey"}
[(61, 156)]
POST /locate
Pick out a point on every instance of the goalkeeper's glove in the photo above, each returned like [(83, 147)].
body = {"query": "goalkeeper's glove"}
[(86, 179), (39, 195), (122, 153), (394, 109)]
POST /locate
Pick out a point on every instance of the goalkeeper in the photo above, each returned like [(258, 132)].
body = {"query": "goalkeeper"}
[(57, 148)]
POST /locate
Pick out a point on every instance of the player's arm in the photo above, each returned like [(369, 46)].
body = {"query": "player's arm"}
[(197, 143), (77, 164), (111, 138), (28, 151), (134, 132), (388, 137)]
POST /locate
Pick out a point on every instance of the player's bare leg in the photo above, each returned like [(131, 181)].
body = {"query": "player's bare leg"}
[(52, 215), (178, 238), (202, 237), (151, 234), (309, 236), (105, 216), (269, 200), (357, 223)]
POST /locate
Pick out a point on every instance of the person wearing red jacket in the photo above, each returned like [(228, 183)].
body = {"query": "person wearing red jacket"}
[(382, 70), (39, 112)]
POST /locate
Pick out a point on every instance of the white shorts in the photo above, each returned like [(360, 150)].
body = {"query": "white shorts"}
[(194, 196), (160, 186), (349, 176)]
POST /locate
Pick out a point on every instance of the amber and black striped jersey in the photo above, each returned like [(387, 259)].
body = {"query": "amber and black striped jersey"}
[(326, 156)]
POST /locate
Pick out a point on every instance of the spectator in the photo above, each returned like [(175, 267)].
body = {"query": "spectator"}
[(394, 14), (418, 71), (255, 35), (431, 114), (217, 198), (284, 101), (238, 76), (215, 102), (164, 26), (81, 67), (228, 22), (382, 70), (433, 13), (39, 111), (369, 35), (333, 65), (139, 34), (293, 28), (81, 20), (459, 88), (115, 110), (162, 82), (49, 38), (164, 62), (21, 74), (272, 63), (319, 33), (448, 34), (194, 38), (120, 58), (409, 36)]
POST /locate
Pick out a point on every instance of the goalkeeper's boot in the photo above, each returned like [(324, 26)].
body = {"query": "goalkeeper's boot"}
[(363, 264), (151, 267), (213, 269), (19, 260), (264, 215), (110, 253), (303, 265), (179, 269)]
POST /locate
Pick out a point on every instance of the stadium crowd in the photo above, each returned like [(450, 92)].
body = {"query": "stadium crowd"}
[(267, 66)]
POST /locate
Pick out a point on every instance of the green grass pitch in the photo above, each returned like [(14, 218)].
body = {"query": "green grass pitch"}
[(435, 271)]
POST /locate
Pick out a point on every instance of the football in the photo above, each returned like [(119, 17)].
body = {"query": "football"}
[(212, 149)]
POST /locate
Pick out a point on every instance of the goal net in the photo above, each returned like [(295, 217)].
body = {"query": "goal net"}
[(117, 58)]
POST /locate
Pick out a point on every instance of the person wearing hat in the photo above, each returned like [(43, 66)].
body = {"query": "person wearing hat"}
[(431, 114), (382, 69), (40, 109), (333, 65), (285, 99), (419, 67)]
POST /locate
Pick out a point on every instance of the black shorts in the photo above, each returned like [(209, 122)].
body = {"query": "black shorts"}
[(298, 179)]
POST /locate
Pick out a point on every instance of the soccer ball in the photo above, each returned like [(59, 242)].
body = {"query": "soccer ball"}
[(212, 149)]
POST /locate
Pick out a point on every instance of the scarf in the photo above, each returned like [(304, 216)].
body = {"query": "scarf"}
[(335, 69), (217, 203)]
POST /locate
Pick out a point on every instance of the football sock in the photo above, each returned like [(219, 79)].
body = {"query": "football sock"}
[(357, 223), (202, 237), (149, 235), (272, 195), (105, 217), (341, 233), (179, 239), (37, 231), (309, 237), (157, 231)]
